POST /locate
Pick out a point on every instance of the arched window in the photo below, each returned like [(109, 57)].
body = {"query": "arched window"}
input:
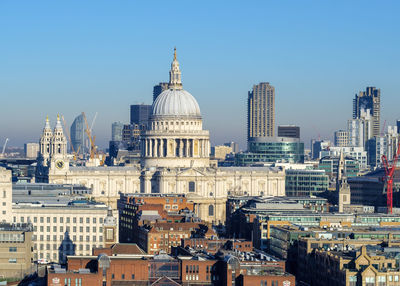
[(192, 186), (210, 210)]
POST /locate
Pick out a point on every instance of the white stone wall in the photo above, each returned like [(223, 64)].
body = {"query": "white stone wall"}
[(5, 195)]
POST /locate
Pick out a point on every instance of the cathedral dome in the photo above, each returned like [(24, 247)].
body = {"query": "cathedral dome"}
[(176, 102)]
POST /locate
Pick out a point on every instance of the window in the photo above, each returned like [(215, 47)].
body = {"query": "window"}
[(133, 276), (87, 220), (210, 210), (112, 276), (192, 186), (12, 249), (41, 220), (55, 219), (123, 276), (68, 220), (370, 281), (61, 220), (48, 219), (12, 260)]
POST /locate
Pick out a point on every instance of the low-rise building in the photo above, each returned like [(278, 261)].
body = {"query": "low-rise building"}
[(306, 182), (63, 229), (16, 259)]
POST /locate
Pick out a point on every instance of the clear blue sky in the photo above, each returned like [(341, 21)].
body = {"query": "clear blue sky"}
[(101, 56)]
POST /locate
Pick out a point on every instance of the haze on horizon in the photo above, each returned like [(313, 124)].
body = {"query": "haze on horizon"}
[(101, 56)]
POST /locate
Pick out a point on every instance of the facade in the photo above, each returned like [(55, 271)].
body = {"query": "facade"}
[(360, 129), (369, 99), (261, 111), (274, 149), (358, 153), (317, 146), (220, 152), (126, 264), (16, 259), (116, 131), (367, 265), (291, 131), (377, 146), (174, 159), (31, 150), (306, 182), (77, 132), (67, 229), (5, 195), (234, 146), (158, 89), (341, 138), (140, 114), (330, 165)]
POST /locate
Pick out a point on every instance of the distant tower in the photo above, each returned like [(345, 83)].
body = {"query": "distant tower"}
[(77, 132), (342, 187), (341, 138), (261, 111), (158, 89), (45, 144), (369, 99)]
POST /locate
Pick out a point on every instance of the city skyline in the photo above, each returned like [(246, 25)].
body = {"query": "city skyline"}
[(103, 63)]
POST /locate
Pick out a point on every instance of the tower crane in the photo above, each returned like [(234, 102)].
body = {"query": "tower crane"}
[(4, 147), (93, 151), (389, 175)]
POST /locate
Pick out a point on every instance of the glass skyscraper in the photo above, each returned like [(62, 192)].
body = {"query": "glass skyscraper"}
[(78, 134)]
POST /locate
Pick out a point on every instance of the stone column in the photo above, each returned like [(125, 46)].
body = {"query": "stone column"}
[(150, 147), (180, 147), (161, 153)]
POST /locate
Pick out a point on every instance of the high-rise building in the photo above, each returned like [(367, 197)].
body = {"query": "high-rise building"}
[(377, 146), (369, 99), (140, 114), (261, 111), (341, 138), (116, 131), (289, 131), (158, 89), (360, 129), (31, 150), (78, 134), (398, 125)]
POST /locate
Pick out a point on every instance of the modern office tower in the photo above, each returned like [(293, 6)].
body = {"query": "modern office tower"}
[(377, 146), (317, 146), (398, 126), (392, 138), (289, 131), (140, 114), (261, 111), (341, 138), (357, 153), (158, 89), (78, 134), (31, 150), (360, 129), (234, 146), (369, 99), (116, 131)]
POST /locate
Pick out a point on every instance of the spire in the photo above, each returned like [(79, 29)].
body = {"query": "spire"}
[(47, 124), (175, 74), (340, 166), (58, 124)]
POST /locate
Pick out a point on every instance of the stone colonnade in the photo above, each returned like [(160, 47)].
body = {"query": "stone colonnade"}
[(183, 147)]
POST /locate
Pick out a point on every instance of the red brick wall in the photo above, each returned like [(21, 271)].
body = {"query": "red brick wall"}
[(251, 280), (55, 279)]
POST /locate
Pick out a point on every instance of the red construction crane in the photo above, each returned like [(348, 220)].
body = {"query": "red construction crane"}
[(389, 174)]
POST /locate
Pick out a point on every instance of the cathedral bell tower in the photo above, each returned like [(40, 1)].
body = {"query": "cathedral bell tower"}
[(45, 144), (58, 150)]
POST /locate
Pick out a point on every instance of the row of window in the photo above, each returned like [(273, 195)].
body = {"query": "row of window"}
[(67, 229), (62, 247), (61, 238), (59, 220)]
